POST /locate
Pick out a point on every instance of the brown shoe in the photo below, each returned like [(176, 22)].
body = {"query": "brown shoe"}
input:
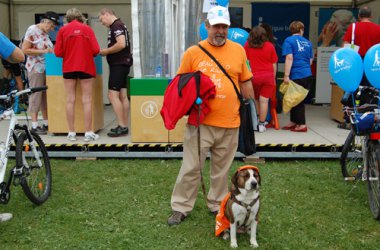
[(176, 218)]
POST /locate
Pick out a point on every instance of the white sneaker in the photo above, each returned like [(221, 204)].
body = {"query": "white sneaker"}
[(71, 137), (262, 128), (90, 136), (5, 217)]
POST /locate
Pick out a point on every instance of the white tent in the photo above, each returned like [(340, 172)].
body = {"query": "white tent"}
[(162, 29)]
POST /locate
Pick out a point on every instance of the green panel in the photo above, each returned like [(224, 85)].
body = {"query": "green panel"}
[(148, 86)]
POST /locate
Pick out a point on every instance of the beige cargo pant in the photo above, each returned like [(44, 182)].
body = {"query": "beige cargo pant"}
[(222, 145)]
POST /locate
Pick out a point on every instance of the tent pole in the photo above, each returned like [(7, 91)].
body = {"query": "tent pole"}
[(11, 13)]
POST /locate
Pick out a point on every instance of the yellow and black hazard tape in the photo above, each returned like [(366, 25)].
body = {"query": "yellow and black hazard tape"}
[(178, 147)]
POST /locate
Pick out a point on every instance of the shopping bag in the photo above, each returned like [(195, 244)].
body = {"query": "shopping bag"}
[(293, 95)]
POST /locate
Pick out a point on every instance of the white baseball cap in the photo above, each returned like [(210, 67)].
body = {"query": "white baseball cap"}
[(217, 15)]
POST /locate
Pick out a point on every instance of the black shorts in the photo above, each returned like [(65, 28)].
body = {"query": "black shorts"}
[(13, 67), (77, 75), (118, 77)]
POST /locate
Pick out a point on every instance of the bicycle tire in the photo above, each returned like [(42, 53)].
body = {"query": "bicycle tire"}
[(373, 178), (35, 181), (351, 158)]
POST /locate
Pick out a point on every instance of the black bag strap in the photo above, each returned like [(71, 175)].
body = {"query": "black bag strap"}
[(223, 70)]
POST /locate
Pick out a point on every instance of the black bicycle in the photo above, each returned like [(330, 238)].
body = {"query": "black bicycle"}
[(360, 156)]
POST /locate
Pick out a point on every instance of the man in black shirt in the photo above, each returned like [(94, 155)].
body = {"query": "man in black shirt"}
[(120, 60)]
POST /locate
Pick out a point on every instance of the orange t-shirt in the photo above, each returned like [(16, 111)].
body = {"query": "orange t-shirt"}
[(224, 108)]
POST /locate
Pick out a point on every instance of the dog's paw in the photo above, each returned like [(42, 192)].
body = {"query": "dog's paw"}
[(226, 235), (234, 244), (254, 244)]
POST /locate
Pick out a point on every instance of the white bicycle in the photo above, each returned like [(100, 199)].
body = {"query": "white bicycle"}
[(32, 170)]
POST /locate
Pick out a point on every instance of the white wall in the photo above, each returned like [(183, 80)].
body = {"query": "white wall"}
[(4, 25), (375, 7), (4, 18)]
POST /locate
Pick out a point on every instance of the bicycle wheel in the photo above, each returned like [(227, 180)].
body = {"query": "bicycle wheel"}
[(35, 180), (373, 158), (351, 159)]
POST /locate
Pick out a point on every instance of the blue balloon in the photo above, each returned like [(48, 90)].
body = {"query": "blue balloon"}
[(238, 35), (346, 69), (372, 65), (203, 31), (223, 3)]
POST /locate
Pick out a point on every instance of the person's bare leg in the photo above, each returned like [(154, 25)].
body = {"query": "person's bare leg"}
[(70, 85), (120, 105), (257, 104), (263, 108), (86, 85), (125, 103), (34, 116)]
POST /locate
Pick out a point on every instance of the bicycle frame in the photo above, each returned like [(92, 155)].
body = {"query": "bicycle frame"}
[(10, 137)]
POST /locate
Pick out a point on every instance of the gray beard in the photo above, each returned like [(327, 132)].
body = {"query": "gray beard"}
[(219, 41)]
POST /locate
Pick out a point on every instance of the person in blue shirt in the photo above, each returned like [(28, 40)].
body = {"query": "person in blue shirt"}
[(9, 51), (298, 52), (12, 54)]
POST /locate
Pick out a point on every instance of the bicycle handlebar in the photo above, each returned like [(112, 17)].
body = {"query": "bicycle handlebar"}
[(22, 92)]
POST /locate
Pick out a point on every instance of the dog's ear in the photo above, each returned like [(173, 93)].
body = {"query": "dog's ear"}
[(234, 182), (234, 179)]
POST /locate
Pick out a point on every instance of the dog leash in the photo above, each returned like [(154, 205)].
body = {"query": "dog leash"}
[(200, 160), (199, 102)]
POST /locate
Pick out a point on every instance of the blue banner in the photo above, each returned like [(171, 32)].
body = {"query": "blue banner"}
[(279, 16)]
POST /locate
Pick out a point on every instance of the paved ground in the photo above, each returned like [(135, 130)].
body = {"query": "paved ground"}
[(321, 130)]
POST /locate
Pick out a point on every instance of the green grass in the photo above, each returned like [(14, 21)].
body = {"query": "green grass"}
[(124, 204)]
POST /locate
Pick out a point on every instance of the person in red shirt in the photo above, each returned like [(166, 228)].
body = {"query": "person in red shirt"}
[(366, 35), (263, 61), (77, 45)]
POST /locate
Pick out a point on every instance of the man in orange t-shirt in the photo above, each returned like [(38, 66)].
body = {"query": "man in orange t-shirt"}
[(220, 129)]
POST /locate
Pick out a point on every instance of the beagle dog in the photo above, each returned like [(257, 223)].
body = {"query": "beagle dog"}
[(240, 208)]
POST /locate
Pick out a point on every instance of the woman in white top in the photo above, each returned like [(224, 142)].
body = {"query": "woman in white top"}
[(35, 45)]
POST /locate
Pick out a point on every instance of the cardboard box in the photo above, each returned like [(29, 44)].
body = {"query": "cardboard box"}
[(336, 108)]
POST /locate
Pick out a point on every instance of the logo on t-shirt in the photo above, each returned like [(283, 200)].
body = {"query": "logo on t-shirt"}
[(300, 47), (118, 32)]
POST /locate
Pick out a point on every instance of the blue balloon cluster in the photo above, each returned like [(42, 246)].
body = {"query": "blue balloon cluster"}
[(234, 34), (238, 35), (346, 69), (203, 31), (372, 65)]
